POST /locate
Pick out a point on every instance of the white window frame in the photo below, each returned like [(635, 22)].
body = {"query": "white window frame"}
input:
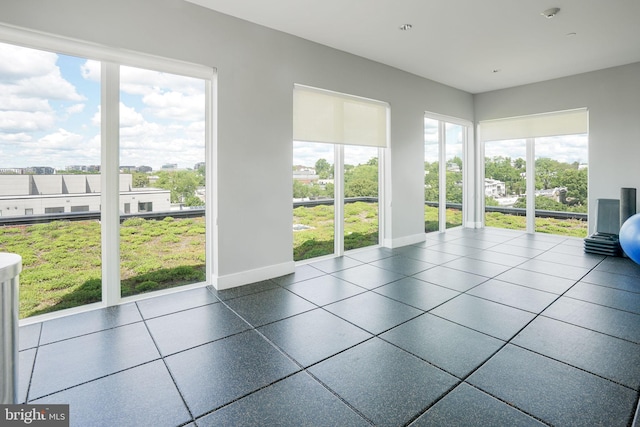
[(111, 59), (469, 188)]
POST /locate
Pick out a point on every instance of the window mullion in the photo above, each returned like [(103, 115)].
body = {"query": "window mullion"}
[(338, 198), (110, 182), (531, 185)]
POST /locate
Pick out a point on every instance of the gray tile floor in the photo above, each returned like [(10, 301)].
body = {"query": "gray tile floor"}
[(471, 327)]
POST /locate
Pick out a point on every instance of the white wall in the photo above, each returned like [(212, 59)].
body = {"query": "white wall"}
[(257, 69), (612, 97)]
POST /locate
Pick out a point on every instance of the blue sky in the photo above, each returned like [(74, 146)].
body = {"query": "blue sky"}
[(50, 113)]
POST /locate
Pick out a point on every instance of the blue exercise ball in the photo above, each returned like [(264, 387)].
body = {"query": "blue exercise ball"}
[(630, 237)]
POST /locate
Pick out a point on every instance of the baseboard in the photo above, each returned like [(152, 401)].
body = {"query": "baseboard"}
[(404, 241), (472, 224), (252, 276)]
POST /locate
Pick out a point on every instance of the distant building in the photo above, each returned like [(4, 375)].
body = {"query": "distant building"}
[(42, 194), (127, 169), (40, 170), (306, 176), (83, 168), (144, 169), (169, 166), (198, 165), (494, 188)]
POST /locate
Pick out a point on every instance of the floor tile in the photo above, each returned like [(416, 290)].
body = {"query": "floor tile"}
[(189, 328), (540, 281), (610, 297), (481, 268), (294, 401), (369, 255), (417, 293), (453, 249), (522, 251), (451, 278), (88, 322), (617, 323), (472, 242), (332, 265), (302, 272), (499, 258), (527, 242), (554, 392), (516, 296), (484, 316), (389, 386), (454, 348), (468, 406), (312, 336), (325, 289), (603, 355), (613, 280), (269, 306), (402, 265), (381, 313), (553, 269), (368, 276), (244, 290), (215, 374), (620, 265), (29, 336), (431, 256), (91, 356), (569, 248), (165, 304), (124, 399), (26, 358), (584, 260)]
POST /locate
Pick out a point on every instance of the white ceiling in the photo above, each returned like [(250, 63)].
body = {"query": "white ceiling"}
[(460, 42)]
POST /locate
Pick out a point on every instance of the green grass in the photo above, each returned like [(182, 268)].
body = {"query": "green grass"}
[(360, 229), (62, 260)]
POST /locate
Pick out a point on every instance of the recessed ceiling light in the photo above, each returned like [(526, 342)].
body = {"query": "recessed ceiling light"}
[(550, 13), (405, 27)]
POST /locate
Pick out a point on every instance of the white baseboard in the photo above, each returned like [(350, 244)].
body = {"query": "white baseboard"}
[(471, 224), (252, 276), (404, 241)]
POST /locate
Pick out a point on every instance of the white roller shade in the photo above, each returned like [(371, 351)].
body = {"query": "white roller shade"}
[(330, 117), (571, 122)]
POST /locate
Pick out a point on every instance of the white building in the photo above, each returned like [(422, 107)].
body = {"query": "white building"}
[(43, 194)]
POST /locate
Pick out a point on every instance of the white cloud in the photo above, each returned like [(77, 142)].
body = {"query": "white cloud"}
[(91, 70), (24, 121), (76, 108)]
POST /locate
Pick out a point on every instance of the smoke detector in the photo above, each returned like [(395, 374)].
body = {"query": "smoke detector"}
[(550, 13)]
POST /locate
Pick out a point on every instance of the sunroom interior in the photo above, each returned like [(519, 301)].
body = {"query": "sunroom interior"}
[(464, 325)]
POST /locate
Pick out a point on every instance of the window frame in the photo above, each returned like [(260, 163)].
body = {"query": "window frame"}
[(111, 59)]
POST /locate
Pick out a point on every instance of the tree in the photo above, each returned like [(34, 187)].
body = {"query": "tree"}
[(140, 180), (323, 168), (300, 191), (361, 181), (182, 184)]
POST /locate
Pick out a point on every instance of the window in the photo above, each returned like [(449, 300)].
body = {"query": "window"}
[(162, 119), (543, 165), (127, 208), (56, 136), (145, 207), (55, 210), (445, 142), (337, 156)]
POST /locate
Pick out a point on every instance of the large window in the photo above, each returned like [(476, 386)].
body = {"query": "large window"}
[(84, 135), (337, 153), (445, 141), (536, 173)]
